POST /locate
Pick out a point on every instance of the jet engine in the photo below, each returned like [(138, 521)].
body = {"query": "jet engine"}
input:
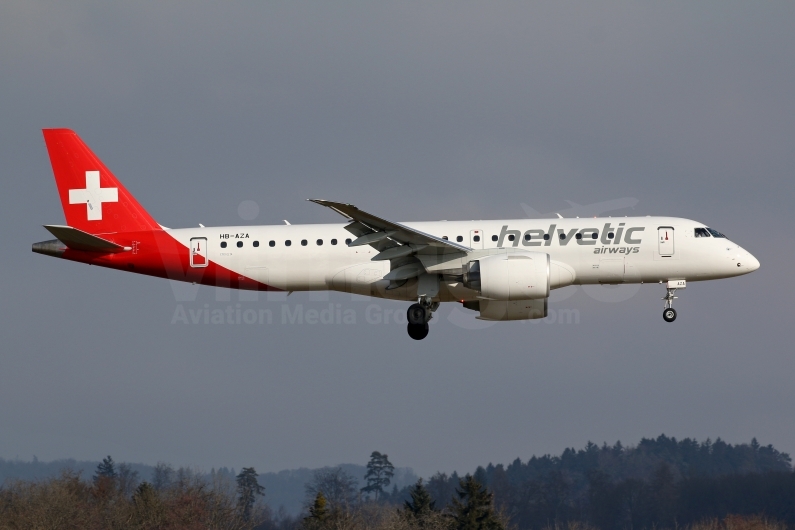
[(509, 277)]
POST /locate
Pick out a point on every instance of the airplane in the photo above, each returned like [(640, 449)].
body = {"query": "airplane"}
[(502, 269)]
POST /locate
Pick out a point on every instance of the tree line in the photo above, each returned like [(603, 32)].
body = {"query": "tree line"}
[(659, 483)]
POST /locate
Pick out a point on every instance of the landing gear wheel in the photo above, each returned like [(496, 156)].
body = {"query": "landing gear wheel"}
[(417, 315), (669, 313), (417, 331)]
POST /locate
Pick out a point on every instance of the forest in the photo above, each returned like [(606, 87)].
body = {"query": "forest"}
[(659, 483)]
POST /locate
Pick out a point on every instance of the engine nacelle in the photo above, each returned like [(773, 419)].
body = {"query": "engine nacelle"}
[(508, 277)]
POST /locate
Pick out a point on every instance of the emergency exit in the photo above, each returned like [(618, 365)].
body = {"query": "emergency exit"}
[(198, 252)]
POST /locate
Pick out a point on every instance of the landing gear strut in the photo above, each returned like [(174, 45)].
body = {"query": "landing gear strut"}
[(669, 313), (418, 316)]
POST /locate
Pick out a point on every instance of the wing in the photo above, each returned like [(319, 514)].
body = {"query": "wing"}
[(392, 240)]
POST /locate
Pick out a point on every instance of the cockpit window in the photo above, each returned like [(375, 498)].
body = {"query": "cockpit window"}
[(715, 233), (702, 232)]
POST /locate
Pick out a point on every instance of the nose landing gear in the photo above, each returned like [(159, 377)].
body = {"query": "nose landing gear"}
[(669, 313), (418, 316)]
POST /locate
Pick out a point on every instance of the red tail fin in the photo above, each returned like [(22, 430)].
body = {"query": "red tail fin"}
[(93, 199)]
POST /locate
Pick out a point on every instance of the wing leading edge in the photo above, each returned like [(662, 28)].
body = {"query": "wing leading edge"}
[(392, 240)]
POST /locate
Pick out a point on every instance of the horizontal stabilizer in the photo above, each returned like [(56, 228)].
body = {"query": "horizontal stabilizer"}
[(78, 240)]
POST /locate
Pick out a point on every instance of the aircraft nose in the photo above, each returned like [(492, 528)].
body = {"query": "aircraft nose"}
[(751, 263)]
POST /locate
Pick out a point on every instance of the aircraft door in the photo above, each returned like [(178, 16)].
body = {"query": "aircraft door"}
[(665, 239), (198, 252), (476, 238)]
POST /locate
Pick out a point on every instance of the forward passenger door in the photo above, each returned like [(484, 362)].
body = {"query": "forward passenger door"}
[(665, 239)]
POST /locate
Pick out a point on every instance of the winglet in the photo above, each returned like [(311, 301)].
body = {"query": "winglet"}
[(334, 206)]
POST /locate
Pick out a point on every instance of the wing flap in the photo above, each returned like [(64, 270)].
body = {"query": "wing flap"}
[(397, 252)]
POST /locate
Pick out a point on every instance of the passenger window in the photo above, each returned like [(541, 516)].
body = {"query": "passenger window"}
[(288, 243), (333, 241), (348, 241), (527, 237), (223, 244), (239, 244), (255, 243), (594, 235), (578, 236), (303, 242), (701, 232), (546, 237), (476, 238), (511, 237), (271, 243), (610, 235), (319, 242), (494, 238), (459, 238), (562, 236), (715, 233)]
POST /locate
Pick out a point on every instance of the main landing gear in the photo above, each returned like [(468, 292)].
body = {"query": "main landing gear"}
[(669, 313), (418, 316)]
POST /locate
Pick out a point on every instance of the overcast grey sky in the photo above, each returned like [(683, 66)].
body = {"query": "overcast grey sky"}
[(414, 111)]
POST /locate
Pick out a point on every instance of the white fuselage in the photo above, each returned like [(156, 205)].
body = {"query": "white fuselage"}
[(590, 250)]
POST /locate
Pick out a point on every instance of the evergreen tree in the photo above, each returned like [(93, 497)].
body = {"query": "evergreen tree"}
[(247, 490), (664, 496), (379, 472), (318, 508), (147, 505), (318, 513), (105, 470), (421, 505), (442, 488), (474, 509)]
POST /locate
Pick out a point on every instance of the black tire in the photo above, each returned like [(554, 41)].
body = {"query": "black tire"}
[(417, 315), (417, 331), (669, 314)]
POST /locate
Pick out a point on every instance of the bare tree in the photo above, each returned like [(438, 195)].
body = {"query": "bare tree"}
[(128, 479), (163, 476), (337, 487)]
